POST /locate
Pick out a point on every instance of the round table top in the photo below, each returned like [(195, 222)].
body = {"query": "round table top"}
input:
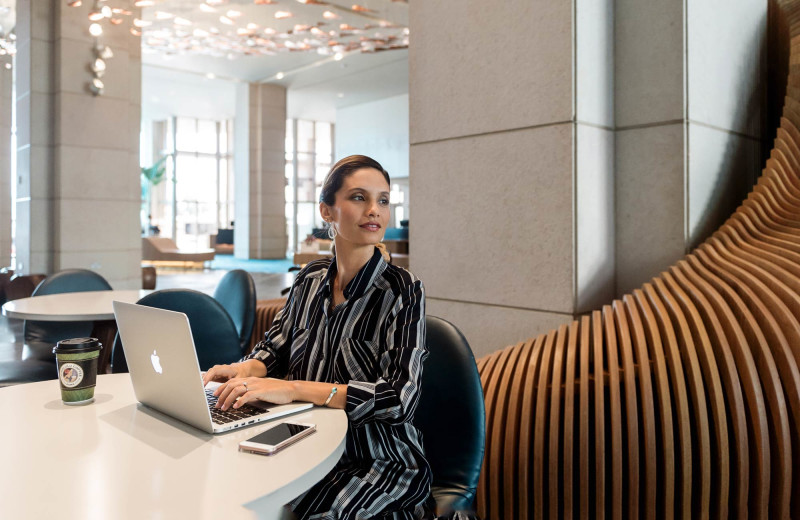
[(116, 458), (74, 306)]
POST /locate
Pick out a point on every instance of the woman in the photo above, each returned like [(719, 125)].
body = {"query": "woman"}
[(352, 336)]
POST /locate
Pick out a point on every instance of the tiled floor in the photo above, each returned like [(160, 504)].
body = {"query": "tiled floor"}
[(268, 285)]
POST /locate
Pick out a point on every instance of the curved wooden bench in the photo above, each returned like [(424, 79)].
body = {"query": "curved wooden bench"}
[(680, 400)]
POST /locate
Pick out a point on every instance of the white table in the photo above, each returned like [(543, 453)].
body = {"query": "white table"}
[(117, 459), (74, 306)]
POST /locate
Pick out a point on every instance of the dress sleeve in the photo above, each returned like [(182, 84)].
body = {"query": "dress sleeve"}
[(273, 350), (394, 396)]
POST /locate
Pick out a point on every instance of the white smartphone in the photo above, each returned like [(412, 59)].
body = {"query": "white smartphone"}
[(276, 438)]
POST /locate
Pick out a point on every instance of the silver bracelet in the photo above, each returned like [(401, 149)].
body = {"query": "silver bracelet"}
[(330, 396)]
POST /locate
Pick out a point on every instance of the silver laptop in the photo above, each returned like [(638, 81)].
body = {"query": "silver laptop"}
[(166, 376)]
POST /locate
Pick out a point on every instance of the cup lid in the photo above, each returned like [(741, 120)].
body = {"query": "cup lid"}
[(77, 345)]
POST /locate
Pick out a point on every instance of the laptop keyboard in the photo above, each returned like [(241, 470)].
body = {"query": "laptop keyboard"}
[(231, 414)]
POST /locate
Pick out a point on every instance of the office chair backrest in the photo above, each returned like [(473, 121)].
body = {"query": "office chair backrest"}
[(236, 292), (213, 331), (66, 281), (451, 416)]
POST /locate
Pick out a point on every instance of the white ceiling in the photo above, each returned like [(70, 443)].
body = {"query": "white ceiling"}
[(317, 84)]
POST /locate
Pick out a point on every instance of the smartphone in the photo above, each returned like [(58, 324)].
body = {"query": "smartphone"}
[(276, 438)]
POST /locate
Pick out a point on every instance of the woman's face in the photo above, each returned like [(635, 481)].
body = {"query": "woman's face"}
[(361, 211)]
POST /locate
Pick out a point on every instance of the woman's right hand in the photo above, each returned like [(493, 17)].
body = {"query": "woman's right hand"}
[(221, 373)]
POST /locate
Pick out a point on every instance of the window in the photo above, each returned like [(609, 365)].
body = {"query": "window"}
[(309, 156), (196, 197)]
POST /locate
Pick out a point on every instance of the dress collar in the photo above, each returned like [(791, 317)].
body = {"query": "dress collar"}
[(362, 281)]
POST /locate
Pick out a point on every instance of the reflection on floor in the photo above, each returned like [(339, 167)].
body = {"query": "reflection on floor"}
[(268, 285)]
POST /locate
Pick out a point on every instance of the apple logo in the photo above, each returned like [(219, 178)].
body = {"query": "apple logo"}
[(156, 362)]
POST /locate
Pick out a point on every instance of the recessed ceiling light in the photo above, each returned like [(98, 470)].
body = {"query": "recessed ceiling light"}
[(225, 20), (106, 10), (182, 21), (211, 75), (163, 15), (207, 8), (329, 15), (144, 3), (74, 3), (96, 16), (279, 75), (95, 29), (141, 23), (234, 14), (338, 56), (283, 14)]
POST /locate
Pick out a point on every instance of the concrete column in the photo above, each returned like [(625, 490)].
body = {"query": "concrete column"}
[(565, 152), (259, 137), (690, 94), (511, 132), (6, 84), (78, 195)]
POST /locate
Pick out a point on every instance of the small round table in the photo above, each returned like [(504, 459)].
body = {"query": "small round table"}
[(116, 458), (93, 306)]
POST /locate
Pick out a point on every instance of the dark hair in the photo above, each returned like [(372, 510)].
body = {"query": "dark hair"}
[(343, 168)]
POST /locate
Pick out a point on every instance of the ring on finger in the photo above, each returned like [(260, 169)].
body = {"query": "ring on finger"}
[(244, 383)]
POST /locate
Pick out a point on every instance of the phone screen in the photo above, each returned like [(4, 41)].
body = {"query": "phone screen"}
[(278, 433)]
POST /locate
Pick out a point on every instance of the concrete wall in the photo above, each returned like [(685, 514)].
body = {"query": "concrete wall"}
[(6, 102), (565, 152), (78, 191)]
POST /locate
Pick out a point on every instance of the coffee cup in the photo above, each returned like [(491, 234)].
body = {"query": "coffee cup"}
[(77, 369)]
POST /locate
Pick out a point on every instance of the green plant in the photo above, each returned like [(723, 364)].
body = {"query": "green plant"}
[(155, 173)]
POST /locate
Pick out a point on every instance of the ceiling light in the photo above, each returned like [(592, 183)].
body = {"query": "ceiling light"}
[(207, 8), (74, 3), (115, 21), (211, 75), (199, 33), (252, 26), (99, 67), (280, 75), (283, 14), (95, 29), (96, 15), (269, 30), (104, 51), (8, 65), (144, 3), (162, 15), (96, 86), (125, 12), (106, 11), (233, 14), (359, 8), (225, 20), (338, 56), (329, 15), (135, 32), (265, 2), (181, 21), (215, 2), (141, 23)]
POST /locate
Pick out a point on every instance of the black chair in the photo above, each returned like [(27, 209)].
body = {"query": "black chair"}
[(215, 337), (27, 371), (41, 336), (451, 417), (236, 292)]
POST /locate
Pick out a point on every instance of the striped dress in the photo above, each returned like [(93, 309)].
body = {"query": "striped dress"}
[(375, 343)]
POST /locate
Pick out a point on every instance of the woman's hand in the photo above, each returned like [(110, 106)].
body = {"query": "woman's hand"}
[(238, 391), (222, 373)]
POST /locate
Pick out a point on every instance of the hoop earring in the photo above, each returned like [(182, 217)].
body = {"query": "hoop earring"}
[(331, 230)]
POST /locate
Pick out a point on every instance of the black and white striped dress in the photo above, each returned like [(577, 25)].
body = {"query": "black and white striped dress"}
[(375, 343)]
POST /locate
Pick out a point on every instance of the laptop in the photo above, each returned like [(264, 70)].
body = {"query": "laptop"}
[(166, 376)]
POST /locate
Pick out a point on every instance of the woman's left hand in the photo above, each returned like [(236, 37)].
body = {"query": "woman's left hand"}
[(241, 390)]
